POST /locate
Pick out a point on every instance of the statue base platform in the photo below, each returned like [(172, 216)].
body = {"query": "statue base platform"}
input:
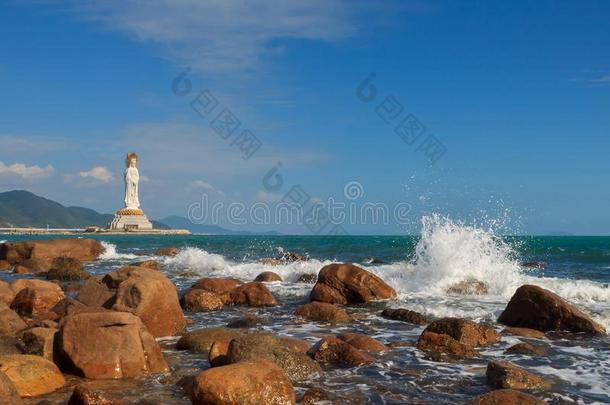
[(127, 219)]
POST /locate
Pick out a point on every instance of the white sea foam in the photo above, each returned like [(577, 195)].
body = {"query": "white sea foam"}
[(110, 253)]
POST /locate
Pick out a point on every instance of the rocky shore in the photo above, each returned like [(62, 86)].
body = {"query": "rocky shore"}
[(68, 336)]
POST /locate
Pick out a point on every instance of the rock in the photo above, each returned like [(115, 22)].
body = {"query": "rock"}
[(201, 301), (257, 382), (526, 349), (313, 396), (220, 286), (5, 265), (10, 322), (346, 283), (32, 375), (8, 392), (506, 397), (22, 283), (283, 258), (115, 278), (167, 251), (268, 277), (218, 353), (466, 332), (76, 248), (337, 352), (33, 266), (36, 299), (405, 315), (362, 342), (266, 346), (38, 341), (67, 269), (504, 374), (247, 321), (68, 306), (525, 332), (9, 345), (151, 296), (201, 340), (534, 265), (82, 395), (94, 293), (295, 344), (148, 264), (472, 287), (253, 294), (323, 312), (108, 344), (307, 278), (536, 308), (6, 294), (441, 347)]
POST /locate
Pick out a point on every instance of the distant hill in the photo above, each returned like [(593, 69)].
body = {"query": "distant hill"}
[(184, 223), (21, 208)]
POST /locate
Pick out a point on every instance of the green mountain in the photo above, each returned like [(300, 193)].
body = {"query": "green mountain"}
[(21, 208)]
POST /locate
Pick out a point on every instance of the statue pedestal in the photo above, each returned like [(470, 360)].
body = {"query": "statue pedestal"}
[(130, 220)]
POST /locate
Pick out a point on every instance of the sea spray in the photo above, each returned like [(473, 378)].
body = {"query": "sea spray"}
[(110, 253)]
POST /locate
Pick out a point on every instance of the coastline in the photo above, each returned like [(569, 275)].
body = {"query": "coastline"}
[(87, 231)]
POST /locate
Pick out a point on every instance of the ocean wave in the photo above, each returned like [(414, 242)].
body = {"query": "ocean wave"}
[(110, 253)]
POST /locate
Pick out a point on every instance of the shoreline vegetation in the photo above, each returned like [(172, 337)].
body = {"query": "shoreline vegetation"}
[(64, 329)]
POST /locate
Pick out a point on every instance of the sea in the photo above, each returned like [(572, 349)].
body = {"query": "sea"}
[(420, 268)]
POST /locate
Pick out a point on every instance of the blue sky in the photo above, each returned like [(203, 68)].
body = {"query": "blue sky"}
[(517, 92)]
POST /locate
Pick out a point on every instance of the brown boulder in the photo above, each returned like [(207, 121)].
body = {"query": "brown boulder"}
[(526, 349), (441, 347), (247, 321), (466, 332), (506, 397), (167, 251), (220, 286), (9, 345), (148, 264), (323, 312), (201, 340), (67, 269), (37, 298), (33, 266), (405, 315), (346, 283), (5, 265), (295, 344), (32, 375), (108, 344), (524, 332), (253, 294), (503, 374), (336, 351), (83, 395), (266, 346), (268, 277), (201, 301), (362, 342), (81, 249), (218, 353), (94, 293), (6, 293), (151, 296), (38, 341), (472, 287), (10, 322), (313, 396), (256, 382), (536, 308), (8, 392)]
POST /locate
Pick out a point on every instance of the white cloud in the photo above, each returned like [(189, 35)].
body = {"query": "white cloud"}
[(100, 173), (223, 35), (26, 172), (203, 185)]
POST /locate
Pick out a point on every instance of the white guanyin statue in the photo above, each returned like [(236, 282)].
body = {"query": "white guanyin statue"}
[(132, 177)]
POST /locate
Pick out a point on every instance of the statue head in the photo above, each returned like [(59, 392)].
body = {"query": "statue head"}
[(131, 160)]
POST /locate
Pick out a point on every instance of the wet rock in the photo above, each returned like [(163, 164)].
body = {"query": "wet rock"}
[(148, 264), (335, 351), (201, 340), (167, 251), (8, 392), (268, 277), (218, 353), (32, 375), (38, 341), (6, 294), (313, 396), (464, 331), (259, 382), (524, 332), (37, 298), (220, 286), (536, 308), (442, 347), (94, 293), (472, 287), (503, 374), (81, 249), (266, 346), (253, 294), (526, 349), (362, 342), (346, 283), (10, 322), (534, 265), (67, 269), (201, 301), (5, 265), (108, 344), (323, 312), (153, 297), (283, 258), (506, 397), (83, 395), (307, 278), (33, 266), (295, 344), (405, 315), (247, 321)]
